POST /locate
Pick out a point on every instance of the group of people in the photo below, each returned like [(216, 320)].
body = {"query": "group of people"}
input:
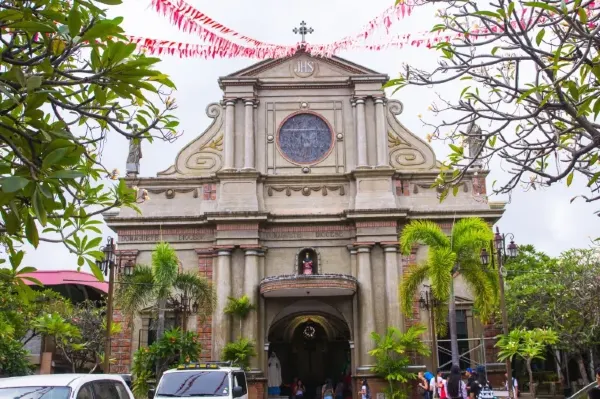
[(329, 390), (476, 386)]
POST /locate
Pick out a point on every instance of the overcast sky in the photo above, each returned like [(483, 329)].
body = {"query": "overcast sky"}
[(543, 218)]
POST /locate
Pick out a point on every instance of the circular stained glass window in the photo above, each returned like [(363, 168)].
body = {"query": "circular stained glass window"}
[(304, 138)]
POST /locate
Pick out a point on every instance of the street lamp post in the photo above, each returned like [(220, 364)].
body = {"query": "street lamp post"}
[(107, 266), (185, 306), (429, 303), (499, 249)]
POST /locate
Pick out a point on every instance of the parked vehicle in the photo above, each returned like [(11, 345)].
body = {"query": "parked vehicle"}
[(207, 380), (65, 386)]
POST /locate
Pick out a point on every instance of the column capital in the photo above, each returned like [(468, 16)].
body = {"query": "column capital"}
[(359, 100), (250, 102), (252, 250), (229, 102), (223, 250), (351, 249), (363, 246), (390, 246), (380, 100)]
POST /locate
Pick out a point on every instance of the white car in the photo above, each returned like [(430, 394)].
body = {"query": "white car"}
[(206, 381), (65, 386)]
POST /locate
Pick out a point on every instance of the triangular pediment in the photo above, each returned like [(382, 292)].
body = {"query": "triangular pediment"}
[(303, 65)]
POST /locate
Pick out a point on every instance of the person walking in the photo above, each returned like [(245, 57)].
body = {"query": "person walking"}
[(328, 391), (300, 389), (365, 391), (455, 386), (481, 387), (423, 387)]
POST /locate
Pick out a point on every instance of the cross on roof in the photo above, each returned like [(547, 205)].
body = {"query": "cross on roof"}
[(303, 31)]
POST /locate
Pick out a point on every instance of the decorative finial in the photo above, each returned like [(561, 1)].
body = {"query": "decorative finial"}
[(303, 31)]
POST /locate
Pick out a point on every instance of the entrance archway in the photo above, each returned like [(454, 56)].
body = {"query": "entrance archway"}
[(312, 346)]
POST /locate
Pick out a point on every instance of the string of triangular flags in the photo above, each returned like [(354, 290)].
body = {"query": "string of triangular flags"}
[(220, 41)]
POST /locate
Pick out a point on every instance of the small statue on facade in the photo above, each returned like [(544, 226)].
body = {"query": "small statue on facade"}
[(307, 264), (475, 142), (132, 167)]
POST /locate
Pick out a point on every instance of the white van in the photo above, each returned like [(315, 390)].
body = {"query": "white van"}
[(204, 380), (65, 386)]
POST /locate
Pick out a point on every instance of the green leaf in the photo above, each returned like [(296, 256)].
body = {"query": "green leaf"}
[(33, 27), (570, 178), (11, 222), (488, 14), (101, 29), (596, 108), (16, 259), (95, 270), (38, 208), (110, 2), (74, 21), (54, 156), (457, 149), (455, 190), (492, 141), (540, 36), (33, 82), (66, 174), (539, 4), (583, 16), (12, 184), (31, 232)]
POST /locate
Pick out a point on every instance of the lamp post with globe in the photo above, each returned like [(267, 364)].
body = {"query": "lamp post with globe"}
[(502, 252)]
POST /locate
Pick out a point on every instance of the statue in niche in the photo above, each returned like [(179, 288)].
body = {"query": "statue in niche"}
[(307, 264)]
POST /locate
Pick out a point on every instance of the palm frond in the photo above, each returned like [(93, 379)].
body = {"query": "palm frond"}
[(440, 315), (486, 299), (410, 285), (469, 235), (199, 289), (424, 232), (165, 267), (441, 261), (136, 292), (239, 307)]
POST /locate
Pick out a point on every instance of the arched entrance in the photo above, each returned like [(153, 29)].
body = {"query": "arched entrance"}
[(312, 346)]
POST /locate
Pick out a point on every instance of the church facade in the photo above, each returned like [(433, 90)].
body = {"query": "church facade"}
[(295, 196)]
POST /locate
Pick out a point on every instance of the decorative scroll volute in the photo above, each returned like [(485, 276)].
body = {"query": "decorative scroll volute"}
[(407, 151), (203, 156)]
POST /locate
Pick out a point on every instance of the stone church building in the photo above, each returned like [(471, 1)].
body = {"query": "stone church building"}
[(295, 196)]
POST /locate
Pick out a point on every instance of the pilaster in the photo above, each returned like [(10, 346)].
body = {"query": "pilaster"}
[(221, 321), (229, 139), (392, 305), (381, 133), (361, 133), (249, 161), (366, 304), (251, 281)]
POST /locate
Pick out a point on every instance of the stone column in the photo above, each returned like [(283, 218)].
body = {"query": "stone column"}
[(249, 134), (221, 321), (251, 280), (229, 145), (381, 131), (361, 133), (392, 309), (366, 308)]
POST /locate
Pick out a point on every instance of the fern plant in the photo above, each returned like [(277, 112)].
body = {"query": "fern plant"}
[(239, 352), (240, 308), (392, 356)]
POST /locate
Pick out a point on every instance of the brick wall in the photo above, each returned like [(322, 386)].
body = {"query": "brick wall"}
[(121, 345), (204, 323), (256, 389)]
